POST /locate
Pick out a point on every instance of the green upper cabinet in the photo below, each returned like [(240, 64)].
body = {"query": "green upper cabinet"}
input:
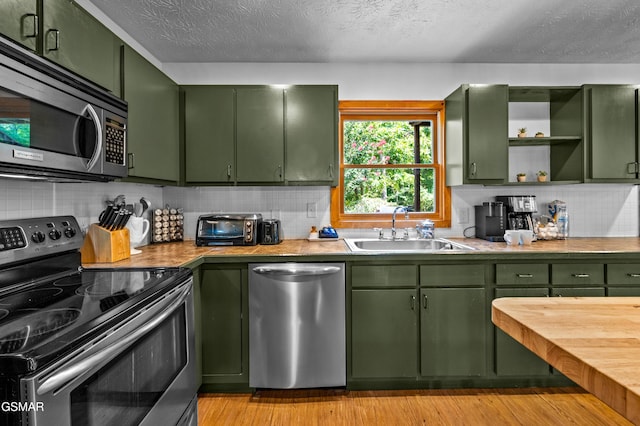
[(311, 134), (476, 127), (152, 130), (260, 134), (209, 133), (73, 38), (19, 21), (610, 130)]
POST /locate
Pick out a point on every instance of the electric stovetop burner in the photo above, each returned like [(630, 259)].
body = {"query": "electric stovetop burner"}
[(36, 326)]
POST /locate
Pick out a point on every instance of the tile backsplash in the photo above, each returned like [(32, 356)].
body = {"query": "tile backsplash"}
[(595, 210)]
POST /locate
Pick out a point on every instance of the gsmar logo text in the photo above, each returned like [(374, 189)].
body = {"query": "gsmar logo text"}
[(21, 406)]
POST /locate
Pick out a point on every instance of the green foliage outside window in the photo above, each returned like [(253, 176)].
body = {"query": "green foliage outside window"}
[(372, 190), (15, 132)]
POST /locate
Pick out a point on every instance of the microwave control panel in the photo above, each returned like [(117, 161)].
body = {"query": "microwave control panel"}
[(114, 142)]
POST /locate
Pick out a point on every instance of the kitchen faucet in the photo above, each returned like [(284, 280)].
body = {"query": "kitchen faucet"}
[(393, 219)]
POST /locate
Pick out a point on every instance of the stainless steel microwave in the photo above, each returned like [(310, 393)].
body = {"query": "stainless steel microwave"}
[(55, 125)]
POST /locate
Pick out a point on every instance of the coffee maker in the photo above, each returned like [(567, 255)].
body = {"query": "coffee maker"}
[(520, 210), (490, 221)]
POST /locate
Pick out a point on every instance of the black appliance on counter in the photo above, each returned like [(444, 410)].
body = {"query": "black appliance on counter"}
[(234, 229), (491, 220), (90, 346), (271, 232), (520, 210)]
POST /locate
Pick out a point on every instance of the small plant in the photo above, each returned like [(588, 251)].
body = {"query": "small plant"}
[(539, 135), (522, 177), (542, 173), (522, 132), (521, 174), (542, 176)]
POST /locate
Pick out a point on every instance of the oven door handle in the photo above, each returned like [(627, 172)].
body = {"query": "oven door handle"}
[(79, 367)]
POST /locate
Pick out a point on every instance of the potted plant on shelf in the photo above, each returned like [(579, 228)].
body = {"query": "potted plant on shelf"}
[(522, 132), (522, 177), (542, 176), (539, 135)]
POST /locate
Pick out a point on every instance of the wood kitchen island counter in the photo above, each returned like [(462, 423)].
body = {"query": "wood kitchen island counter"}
[(595, 341)]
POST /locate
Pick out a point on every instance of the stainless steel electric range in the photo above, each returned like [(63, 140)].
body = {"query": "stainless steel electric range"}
[(90, 346)]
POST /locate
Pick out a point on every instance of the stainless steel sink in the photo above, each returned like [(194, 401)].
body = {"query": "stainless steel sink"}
[(414, 246)]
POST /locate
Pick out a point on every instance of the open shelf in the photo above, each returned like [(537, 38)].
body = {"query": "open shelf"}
[(547, 140)]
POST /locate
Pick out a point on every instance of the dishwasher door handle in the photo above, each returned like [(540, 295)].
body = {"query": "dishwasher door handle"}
[(296, 270)]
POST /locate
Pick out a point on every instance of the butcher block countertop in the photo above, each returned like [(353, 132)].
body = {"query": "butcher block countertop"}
[(186, 253), (595, 341)]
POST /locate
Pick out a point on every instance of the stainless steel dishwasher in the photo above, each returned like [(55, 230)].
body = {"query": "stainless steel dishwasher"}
[(297, 325)]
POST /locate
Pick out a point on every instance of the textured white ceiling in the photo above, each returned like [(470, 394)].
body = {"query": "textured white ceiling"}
[(498, 31)]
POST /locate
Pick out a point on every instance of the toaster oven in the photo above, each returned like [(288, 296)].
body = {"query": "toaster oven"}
[(228, 230)]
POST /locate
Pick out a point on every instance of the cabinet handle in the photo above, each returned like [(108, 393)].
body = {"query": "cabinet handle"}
[(228, 171), (331, 170), (280, 171), (474, 169), (634, 275), (524, 275), (35, 24), (580, 275), (413, 303), (425, 302), (130, 157), (56, 39)]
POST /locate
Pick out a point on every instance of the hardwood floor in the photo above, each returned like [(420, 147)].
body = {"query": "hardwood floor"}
[(535, 406)]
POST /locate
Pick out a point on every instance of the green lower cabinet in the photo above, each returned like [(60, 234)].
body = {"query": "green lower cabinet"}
[(384, 333), (578, 292), (623, 291), (453, 325), (224, 328), (512, 358)]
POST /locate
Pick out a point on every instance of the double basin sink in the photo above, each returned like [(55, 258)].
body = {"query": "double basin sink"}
[(374, 245)]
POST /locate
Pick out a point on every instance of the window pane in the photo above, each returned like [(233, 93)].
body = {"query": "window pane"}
[(384, 142), (381, 190)]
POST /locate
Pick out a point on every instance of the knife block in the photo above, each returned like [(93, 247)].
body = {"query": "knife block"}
[(104, 246)]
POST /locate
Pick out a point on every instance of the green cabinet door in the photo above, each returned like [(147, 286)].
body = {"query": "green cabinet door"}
[(311, 134), (260, 134), (74, 39), (453, 325), (384, 333), (152, 129), (19, 21), (223, 326), (512, 358), (209, 134), (611, 131), (477, 142), (578, 292)]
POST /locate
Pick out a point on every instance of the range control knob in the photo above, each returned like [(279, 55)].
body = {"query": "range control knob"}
[(69, 232), (38, 237), (54, 234)]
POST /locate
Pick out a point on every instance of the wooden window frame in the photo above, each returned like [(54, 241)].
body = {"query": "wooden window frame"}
[(390, 110)]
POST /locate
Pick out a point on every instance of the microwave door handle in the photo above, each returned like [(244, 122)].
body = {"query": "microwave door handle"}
[(79, 367), (96, 120)]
